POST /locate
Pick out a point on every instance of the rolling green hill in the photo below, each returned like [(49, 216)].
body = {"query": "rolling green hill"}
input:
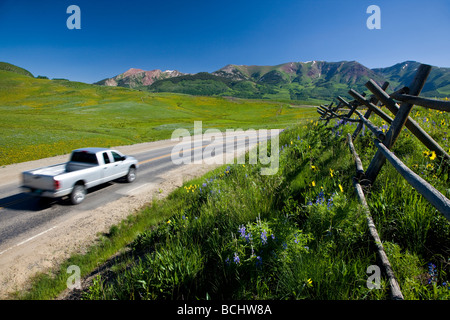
[(12, 68), (42, 118)]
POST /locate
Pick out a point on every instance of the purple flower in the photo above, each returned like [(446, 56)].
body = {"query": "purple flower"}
[(242, 231), (264, 237), (236, 258)]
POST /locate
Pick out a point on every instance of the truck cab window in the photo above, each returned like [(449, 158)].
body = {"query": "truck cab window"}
[(106, 157), (117, 157)]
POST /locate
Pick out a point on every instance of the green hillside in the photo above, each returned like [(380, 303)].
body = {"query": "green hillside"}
[(42, 117), (12, 68)]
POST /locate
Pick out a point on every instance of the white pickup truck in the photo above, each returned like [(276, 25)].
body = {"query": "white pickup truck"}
[(87, 168)]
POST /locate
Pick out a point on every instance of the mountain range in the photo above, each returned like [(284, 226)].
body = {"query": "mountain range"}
[(305, 81), (291, 81)]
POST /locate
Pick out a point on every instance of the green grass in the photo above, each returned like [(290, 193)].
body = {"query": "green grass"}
[(42, 118), (299, 234)]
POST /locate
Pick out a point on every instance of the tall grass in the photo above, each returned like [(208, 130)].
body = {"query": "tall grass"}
[(299, 234)]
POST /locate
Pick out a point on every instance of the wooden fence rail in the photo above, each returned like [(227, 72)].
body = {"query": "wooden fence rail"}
[(408, 97)]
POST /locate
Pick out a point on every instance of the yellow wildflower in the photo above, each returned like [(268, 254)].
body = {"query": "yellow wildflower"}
[(313, 183), (340, 188), (168, 221), (331, 172), (433, 155)]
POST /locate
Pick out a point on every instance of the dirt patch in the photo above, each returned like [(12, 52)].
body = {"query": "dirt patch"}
[(74, 235)]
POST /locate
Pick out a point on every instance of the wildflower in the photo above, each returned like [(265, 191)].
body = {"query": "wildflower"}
[(236, 258), (433, 155), (169, 221), (320, 198), (425, 153), (313, 183), (284, 245), (340, 188), (309, 282), (330, 203), (264, 237), (430, 166), (242, 231), (331, 172), (227, 261), (204, 184), (313, 168)]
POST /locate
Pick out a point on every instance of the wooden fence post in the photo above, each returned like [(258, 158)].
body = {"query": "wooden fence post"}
[(371, 106), (412, 126), (374, 100), (396, 293), (398, 122)]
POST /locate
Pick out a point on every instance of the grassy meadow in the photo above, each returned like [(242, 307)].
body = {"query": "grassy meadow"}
[(42, 118), (234, 233), (298, 234)]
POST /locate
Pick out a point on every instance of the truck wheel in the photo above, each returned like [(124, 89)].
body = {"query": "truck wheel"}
[(131, 175), (78, 194)]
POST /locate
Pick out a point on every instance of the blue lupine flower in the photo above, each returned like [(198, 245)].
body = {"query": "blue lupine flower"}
[(264, 237), (236, 258), (242, 231), (204, 184)]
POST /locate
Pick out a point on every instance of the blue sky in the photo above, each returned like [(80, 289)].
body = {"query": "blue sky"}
[(197, 35)]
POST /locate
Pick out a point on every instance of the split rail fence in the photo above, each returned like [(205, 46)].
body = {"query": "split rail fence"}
[(400, 104)]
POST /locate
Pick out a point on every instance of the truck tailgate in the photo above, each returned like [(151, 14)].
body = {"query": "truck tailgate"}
[(42, 179)]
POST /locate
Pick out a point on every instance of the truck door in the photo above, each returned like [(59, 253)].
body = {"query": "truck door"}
[(121, 169), (108, 167)]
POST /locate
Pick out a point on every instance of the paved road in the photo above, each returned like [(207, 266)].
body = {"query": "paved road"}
[(23, 217)]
